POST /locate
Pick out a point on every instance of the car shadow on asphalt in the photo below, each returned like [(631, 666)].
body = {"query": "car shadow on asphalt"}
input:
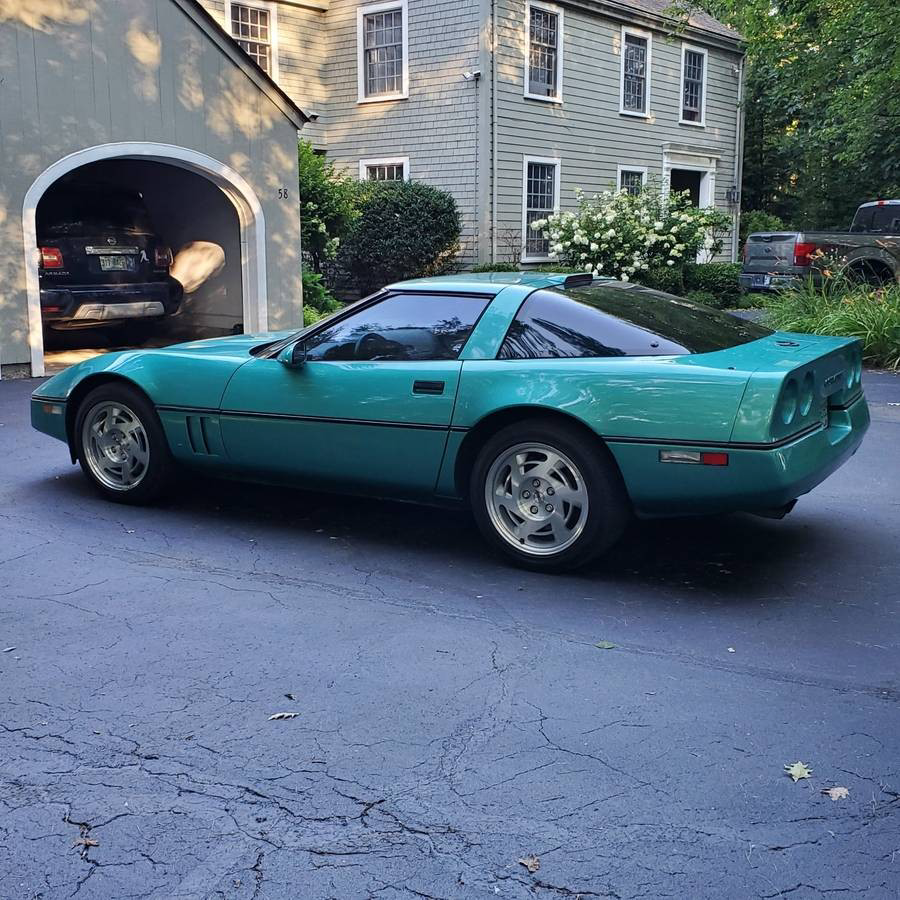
[(725, 555)]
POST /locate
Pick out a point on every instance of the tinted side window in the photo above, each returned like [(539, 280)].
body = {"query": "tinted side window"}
[(886, 219), (401, 327), (553, 326)]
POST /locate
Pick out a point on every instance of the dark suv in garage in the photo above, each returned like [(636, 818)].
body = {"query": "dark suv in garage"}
[(101, 262)]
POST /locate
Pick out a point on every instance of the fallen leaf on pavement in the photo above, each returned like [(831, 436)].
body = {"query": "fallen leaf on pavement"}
[(9, 649), (285, 715), (836, 793), (798, 770), (86, 842), (605, 645), (290, 696), (532, 863)]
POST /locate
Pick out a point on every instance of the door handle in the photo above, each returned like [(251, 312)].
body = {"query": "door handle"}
[(428, 387)]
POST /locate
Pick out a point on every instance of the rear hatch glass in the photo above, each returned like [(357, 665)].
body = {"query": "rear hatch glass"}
[(626, 319), (83, 212)]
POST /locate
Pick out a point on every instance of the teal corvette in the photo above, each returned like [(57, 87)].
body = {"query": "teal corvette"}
[(554, 405)]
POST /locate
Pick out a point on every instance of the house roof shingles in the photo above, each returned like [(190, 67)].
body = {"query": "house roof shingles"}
[(671, 10)]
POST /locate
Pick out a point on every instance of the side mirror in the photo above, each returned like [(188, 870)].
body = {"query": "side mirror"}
[(293, 356)]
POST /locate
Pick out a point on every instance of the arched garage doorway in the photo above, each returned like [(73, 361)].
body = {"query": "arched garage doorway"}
[(185, 167)]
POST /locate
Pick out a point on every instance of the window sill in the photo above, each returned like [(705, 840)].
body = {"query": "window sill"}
[(634, 115), (383, 98), (543, 99), (692, 124), (537, 259)]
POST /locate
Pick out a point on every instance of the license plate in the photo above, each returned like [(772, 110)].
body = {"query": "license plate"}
[(116, 263), (761, 280)]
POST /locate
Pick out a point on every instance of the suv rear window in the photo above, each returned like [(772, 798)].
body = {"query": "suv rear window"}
[(620, 319), (68, 211)]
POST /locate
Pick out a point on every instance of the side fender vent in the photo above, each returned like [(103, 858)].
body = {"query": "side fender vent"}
[(197, 434)]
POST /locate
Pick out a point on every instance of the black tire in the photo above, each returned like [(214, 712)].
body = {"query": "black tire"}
[(608, 505), (158, 475)]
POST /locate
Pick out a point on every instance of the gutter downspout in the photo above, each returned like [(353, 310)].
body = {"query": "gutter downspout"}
[(738, 162), (493, 34)]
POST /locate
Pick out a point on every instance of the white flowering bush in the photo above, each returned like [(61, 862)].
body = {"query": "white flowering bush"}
[(621, 235)]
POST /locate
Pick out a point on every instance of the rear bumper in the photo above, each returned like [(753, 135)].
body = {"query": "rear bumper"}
[(86, 305), (754, 479), (758, 282)]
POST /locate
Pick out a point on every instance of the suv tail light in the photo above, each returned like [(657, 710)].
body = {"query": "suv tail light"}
[(803, 252), (746, 251), (163, 256), (51, 258)]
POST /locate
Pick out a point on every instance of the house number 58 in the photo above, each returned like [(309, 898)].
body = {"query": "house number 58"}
[(282, 193)]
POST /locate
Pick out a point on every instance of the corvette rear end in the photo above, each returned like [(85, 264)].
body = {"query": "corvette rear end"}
[(802, 415)]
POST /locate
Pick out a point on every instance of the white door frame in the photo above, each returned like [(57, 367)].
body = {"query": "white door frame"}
[(701, 161), (233, 185)]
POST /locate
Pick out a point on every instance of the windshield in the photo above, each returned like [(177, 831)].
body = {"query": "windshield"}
[(274, 348), (613, 318)]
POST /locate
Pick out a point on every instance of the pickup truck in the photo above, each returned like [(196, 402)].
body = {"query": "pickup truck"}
[(869, 252)]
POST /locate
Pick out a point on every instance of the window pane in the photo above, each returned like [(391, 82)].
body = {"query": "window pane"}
[(250, 27), (632, 181), (402, 327), (542, 53), (383, 52), (386, 172), (886, 219), (634, 79), (693, 86), (615, 319), (540, 201)]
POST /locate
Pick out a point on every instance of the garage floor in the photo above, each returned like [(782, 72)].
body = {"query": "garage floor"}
[(79, 346)]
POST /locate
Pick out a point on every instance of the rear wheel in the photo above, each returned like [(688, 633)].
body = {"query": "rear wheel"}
[(548, 496), (121, 446)]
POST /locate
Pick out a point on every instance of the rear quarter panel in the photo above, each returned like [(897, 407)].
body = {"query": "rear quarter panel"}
[(668, 397)]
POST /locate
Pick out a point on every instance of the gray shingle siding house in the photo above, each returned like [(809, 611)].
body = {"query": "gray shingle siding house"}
[(510, 104)]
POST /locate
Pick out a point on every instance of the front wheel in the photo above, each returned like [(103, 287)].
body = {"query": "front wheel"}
[(121, 446), (547, 495)]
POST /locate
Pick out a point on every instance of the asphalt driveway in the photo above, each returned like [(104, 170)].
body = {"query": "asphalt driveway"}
[(454, 715)]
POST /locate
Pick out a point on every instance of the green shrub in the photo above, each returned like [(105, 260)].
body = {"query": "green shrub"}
[(718, 279), (663, 278), (846, 310), (623, 235), (757, 220), (316, 295), (327, 206), (405, 229)]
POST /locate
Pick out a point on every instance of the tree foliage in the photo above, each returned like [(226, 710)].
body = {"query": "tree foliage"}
[(327, 206), (822, 105)]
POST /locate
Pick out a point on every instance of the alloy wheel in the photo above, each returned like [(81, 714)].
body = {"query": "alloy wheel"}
[(536, 498)]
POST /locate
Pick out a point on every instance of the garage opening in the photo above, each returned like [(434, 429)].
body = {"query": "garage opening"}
[(135, 253)]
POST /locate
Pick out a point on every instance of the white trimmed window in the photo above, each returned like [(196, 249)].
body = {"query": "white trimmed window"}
[(393, 168), (635, 72), (543, 51), (254, 26), (693, 85), (540, 198), (631, 179), (382, 52)]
